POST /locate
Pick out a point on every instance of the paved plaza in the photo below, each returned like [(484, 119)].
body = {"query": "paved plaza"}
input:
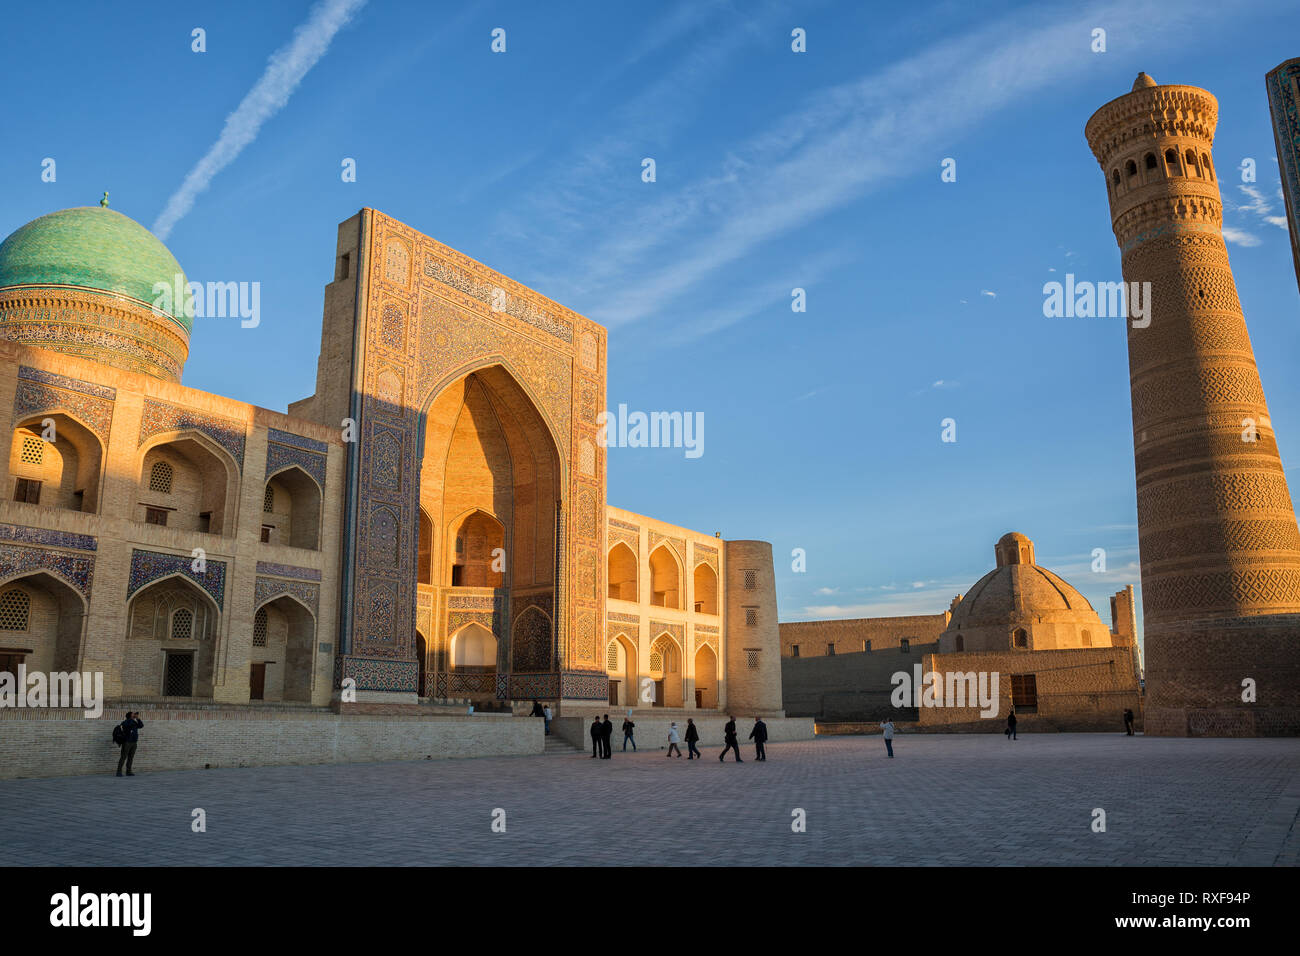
[(945, 800)]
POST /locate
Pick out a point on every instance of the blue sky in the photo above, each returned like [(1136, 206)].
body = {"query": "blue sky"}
[(775, 170)]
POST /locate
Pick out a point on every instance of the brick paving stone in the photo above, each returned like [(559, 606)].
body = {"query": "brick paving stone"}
[(956, 800)]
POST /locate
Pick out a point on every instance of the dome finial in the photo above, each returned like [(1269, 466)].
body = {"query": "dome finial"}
[(1143, 81), (104, 202)]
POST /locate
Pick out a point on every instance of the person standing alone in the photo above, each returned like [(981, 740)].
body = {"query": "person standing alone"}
[(887, 727), (628, 727), (1128, 722), (127, 734), (1011, 726)]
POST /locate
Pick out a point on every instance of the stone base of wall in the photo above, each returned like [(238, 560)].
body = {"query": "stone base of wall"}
[(652, 730), (56, 743), (1195, 673)]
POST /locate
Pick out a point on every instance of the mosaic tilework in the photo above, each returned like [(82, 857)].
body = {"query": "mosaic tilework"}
[(288, 571), (372, 674), (284, 449), (76, 570), (521, 309), (267, 589), (297, 441), (538, 686), (28, 374), (94, 326), (676, 630), (626, 526), (40, 391), (585, 685), (492, 620), (46, 536), (531, 641), (161, 417), (149, 566)]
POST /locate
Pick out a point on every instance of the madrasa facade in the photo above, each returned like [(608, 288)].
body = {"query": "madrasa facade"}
[(430, 524)]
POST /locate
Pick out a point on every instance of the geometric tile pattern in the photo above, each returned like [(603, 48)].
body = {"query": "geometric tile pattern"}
[(149, 566), (76, 570), (161, 417), (48, 536)]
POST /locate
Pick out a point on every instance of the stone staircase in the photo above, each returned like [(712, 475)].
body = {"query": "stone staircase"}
[(556, 745)]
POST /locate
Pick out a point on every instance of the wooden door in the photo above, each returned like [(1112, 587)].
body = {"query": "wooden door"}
[(257, 682)]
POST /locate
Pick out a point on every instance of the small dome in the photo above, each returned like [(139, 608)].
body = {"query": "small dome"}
[(1142, 82), (1013, 548), (92, 247)]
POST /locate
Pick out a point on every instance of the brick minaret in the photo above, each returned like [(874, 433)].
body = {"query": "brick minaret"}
[(1219, 545)]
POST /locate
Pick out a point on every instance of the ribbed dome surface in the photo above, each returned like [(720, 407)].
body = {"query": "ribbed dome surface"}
[(1005, 594), (92, 247)]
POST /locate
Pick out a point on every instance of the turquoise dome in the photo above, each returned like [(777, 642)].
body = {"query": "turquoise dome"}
[(93, 247)]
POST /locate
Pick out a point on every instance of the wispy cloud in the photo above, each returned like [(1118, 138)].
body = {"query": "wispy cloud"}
[(284, 71), (991, 295), (840, 143), (1240, 237)]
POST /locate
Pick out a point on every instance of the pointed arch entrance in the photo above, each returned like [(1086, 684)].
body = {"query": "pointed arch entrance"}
[(491, 487)]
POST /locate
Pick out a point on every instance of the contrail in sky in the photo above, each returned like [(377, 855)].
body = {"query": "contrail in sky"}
[(285, 70)]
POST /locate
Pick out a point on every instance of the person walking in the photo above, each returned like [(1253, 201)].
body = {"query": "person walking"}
[(759, 736), (887, 727), (673, 740), (692, 738), (127, 734), (547, 716), (1011, 726), (628, 727), (597, 734), (1128, 721), (729, 738)]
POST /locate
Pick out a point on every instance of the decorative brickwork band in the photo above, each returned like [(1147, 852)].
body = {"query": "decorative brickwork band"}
[(149, 566), (48, 537), (77, 570), (40, 391), (284, 449), (226, 432)]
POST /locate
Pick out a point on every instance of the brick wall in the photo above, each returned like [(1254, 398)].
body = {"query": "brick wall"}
[(848, 636), (54, 743)]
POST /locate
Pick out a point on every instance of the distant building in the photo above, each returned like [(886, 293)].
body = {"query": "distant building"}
[(1056, 662), (1284, 105)]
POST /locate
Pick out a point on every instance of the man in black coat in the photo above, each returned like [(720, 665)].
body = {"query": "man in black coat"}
[(130, 738), (759, 736), (729, 738), (606, 744), (597, 735)]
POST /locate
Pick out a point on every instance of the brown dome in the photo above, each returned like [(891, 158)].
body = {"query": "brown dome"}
[(1014, 592)]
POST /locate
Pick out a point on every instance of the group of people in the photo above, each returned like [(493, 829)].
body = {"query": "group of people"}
[(602, 732)]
